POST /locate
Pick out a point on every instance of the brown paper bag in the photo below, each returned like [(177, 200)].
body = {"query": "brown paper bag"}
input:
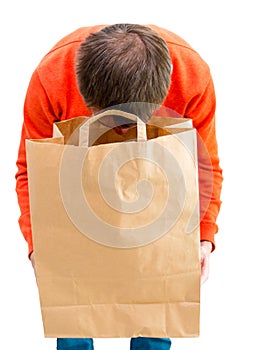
[(116, 229)]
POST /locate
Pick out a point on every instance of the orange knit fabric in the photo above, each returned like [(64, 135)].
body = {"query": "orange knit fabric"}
[(53, 95)]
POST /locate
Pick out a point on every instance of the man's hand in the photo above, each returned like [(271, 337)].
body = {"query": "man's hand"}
[(205, 250), (32, 259)]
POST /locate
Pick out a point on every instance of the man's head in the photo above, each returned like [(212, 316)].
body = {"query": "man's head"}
[(124, 64)]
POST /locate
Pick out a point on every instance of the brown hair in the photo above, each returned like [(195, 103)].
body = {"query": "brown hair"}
[(124, 64)]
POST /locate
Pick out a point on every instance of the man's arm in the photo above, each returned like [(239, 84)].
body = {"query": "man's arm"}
[(38, 120), (202, 111)]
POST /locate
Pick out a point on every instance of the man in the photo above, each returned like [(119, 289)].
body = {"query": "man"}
[(98, 67)]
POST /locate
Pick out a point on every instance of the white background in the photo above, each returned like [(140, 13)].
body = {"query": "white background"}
[(235, 38)]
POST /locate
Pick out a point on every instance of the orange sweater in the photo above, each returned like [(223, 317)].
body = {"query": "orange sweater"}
[(53, 95)]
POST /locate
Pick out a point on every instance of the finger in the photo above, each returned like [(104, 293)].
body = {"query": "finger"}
[(204, 269)]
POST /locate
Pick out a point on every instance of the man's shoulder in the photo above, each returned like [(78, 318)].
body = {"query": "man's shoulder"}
[(77, 35), (169, 36), (65, 49), (178, 46)]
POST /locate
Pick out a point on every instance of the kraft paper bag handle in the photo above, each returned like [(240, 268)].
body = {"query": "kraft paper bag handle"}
[(84, 129)]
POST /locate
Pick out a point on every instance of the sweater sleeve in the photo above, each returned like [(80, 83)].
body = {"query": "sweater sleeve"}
[(38, 119), (201, 109)]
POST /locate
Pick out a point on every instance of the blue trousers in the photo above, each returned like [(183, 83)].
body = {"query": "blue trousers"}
[(139, 343)]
